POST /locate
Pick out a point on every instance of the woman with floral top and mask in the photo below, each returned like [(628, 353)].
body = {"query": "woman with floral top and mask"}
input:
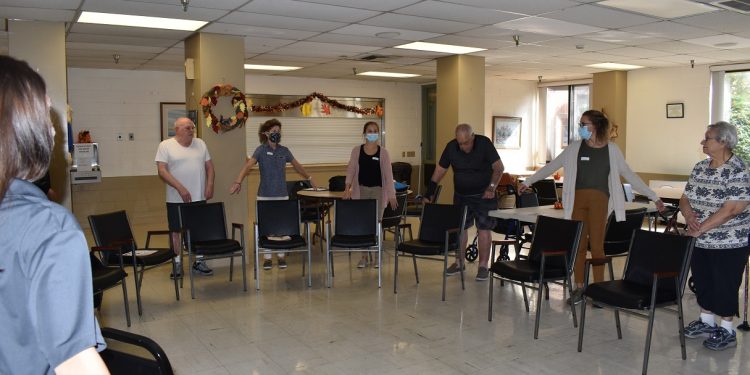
[(592, 190), (369, 175), (271, 158)]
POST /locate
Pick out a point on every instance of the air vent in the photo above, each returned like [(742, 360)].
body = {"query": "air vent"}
[(740, 6), (375, 58)]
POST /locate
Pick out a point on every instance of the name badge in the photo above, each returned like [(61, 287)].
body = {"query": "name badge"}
[(584, 158), (375, 158), (269, 153)]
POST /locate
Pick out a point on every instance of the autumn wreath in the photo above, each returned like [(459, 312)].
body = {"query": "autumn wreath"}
[(211, 97)]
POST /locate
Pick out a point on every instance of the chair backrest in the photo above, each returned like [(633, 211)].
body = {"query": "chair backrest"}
[(337, 183), (527, 199), (110, 228), (438, 218), (278, 218), (205, 221), (658, 252), (355, 217), (546, 191), (392, 217), (124, 354), (555, 234), (619, 233), (628, 190), (401, 172), (292, 187), (667, 184)]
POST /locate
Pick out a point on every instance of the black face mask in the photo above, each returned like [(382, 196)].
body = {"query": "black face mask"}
[(274, 137)]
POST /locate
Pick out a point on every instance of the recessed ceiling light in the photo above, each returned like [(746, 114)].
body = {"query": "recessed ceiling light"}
[(614, 66), (271, 67), (388, 74), (388, 34), (444, 48), (661, 8), (140, 21)]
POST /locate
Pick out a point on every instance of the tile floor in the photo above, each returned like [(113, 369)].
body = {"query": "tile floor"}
[(356, 328)]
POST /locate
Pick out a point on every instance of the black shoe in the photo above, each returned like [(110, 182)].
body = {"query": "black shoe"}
[(267, 264), (179, 273), (282, 263)]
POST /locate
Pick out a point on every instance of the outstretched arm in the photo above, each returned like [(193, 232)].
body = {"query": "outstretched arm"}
[(237, 184)]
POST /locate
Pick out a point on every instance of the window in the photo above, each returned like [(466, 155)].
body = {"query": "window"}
[(562, 122), (737, 108)]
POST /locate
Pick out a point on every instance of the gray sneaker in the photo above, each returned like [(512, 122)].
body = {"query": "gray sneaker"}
[(483, 273), (697, 328), (575, 297), (721, 339), (453, 269), (200, 268)]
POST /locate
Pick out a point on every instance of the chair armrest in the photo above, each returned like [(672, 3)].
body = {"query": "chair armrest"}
[(404, 225), (452, 230), (99, 249), (665, 275), (503, 242), (156, 233), (598, 261), (241, 228), (554, 253), (141, 341)]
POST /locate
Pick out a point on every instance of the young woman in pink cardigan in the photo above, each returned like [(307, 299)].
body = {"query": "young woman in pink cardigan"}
[(369, 174)]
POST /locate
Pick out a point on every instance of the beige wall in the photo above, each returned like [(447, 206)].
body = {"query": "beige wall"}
[(505, 97), (610, 95)]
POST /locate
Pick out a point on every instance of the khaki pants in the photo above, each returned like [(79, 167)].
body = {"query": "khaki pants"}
[(590, 207)]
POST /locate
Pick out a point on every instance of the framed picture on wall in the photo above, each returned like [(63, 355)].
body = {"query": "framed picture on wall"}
[(675, 110), (170, 112), (506, 132)]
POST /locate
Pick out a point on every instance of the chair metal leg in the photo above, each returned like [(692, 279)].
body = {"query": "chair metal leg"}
[(583, 321), (395, 272), (309, 261), (257, 267), (174, 274), (445, 273), (489, 307), (569, 283), (546, 291), (617, 324), (138, 282), (231, 267), (680, 322), (525, 297), (244, 271), (651, 315), (380, 263), (611, 271), (460, 270), (416, 273), (540, 292), (125, 300), (192, 284)]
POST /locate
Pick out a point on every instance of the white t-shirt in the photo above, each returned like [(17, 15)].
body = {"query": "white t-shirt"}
[(187, 165)]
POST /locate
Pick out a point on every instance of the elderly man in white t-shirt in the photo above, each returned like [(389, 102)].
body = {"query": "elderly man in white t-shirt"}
[(185, 166)]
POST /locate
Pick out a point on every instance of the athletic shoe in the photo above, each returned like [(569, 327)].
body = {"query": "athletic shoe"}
[(453, 269), (576, 297), (200, 268), (179, 273), (483, 274), (362, 263), (267, 264), (282, 263), (697, 328), (721, 339)]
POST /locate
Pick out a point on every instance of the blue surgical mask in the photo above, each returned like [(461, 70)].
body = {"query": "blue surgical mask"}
[(584, 132), (372, 137)]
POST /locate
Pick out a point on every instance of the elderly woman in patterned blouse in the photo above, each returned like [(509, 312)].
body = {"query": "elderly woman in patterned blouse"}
[(715, 206)]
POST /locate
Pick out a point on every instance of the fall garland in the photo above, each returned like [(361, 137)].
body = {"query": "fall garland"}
[(376, 110), (211, 97)]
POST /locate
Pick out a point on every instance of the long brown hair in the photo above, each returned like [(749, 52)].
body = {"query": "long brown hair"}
[(25, 124)]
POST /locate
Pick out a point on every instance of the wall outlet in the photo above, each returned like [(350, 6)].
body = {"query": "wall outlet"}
[(131, 136), (410, 154), (119, 137)]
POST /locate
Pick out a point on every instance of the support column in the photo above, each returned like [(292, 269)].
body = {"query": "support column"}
[(460, 99), (42, 45), (219, 59), (610, 95)]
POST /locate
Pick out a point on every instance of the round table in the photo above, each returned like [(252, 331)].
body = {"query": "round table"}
[(321, 194)]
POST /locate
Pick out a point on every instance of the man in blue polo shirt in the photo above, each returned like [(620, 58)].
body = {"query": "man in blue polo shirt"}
[(477, 169)]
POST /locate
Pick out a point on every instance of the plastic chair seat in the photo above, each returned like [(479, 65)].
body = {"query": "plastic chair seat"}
[(525, 270), (349, 241), (421, 247), (293, 242), (630, 295), (216, 247), (105, 277)]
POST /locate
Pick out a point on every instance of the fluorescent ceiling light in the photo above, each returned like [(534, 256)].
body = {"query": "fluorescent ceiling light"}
[(388, 74), (444, 48), (140, 21), (660, 8), (271, 67), (614, 66)]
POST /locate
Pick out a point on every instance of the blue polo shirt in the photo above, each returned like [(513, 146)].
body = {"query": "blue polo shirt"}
[(272, 165)]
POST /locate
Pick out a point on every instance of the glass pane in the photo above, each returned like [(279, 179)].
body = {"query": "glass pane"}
[(580, 103), (739, 109), (557, 120)]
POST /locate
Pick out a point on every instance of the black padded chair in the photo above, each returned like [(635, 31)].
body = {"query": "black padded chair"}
[(551, 258), (414, 207), (311, 210), (392, 218), (356, 228), (655, 276), (105, 277), (619, 233), (401, 172), (123, 354), (546, 191), (113, 229), (439, 234), (205, 234), (277, 230)]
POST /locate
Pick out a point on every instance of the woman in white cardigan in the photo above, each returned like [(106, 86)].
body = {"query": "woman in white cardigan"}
[(592, 189)]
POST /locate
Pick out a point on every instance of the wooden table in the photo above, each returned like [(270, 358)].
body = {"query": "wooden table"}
[(321, 194), (529, 214), (670, 195)]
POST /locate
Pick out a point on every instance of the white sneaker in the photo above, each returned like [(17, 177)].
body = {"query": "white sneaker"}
[(362, 263)]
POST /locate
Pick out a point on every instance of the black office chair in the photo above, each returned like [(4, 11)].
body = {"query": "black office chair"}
[(392, 218), (441, 228), (356, 228), (113, 229), (546, 192), (205, 234), (105, 277), (311, 209), (401, 172), (123, 355), (551, 258), (277, 230), (619, 234), (655, 276)]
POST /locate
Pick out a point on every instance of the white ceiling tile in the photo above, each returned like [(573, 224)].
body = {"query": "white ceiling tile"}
[(636, 52), (301, 9), (670, 30), (36, 14), (410, 53), (272, 21), (367, 30), (407, 61), (572, 43), (597, 57), (173, 10), (262, 45), (493, 32), (48, 4), (121, 40), (621, 37), (81, 46), (677, 47), (457, 12), (528, 7), (732, 55), (660, 8), (322, 49), (213, 4), (548, 26), (297, 59), (722, 41), (356, 40), (685, 59), (650, 63), (430, 25), (724, 21), (382, 5), (226, 28), (599, 16), (125, 31), (471, 42)]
